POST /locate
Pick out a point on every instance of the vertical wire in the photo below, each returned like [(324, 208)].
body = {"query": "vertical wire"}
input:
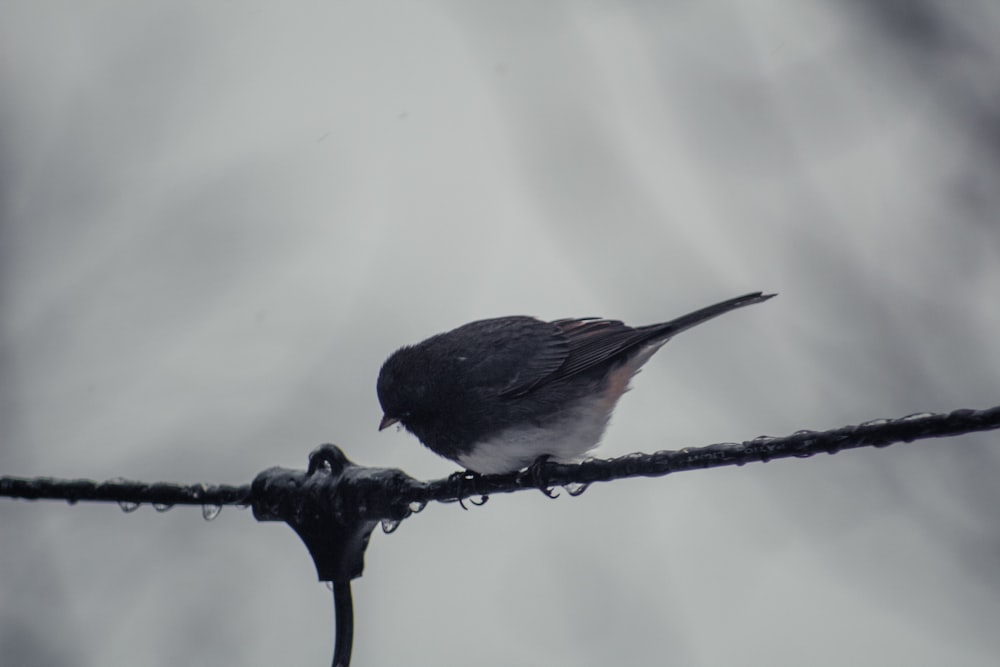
[(343, 608)]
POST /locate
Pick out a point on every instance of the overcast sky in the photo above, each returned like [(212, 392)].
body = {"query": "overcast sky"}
[(218, 218)]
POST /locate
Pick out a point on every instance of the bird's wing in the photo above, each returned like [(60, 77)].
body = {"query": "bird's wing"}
[(582, 344), (512, 354), (593, 342), (590, 342)]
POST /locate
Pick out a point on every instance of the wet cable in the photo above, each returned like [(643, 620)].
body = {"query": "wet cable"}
[(334, 504), (391, 495)]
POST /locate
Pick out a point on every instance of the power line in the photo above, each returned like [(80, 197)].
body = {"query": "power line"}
[(391, 494), (334, 505)]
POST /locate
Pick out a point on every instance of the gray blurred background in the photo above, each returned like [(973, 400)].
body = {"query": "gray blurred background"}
[(217, 219)]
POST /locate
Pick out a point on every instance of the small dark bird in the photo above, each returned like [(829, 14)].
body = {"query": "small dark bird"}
[(495, 395)]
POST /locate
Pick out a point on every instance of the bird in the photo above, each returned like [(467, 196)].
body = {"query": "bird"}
[(499, 395)]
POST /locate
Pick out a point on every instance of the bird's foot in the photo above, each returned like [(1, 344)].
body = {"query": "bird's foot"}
[(535, 470), (462, 478)]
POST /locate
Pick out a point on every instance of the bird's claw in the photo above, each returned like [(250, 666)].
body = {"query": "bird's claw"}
[(535, 470), (459, 479)]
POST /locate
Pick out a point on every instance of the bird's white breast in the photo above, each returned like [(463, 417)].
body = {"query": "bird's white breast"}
[(567, 437), (566, 440)]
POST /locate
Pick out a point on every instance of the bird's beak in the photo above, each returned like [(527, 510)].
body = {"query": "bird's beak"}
[(386, 422)]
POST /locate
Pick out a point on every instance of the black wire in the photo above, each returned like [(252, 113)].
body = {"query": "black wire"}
[(164, 494), (801, 444), (377, 494), (343, 608), (356, 498)]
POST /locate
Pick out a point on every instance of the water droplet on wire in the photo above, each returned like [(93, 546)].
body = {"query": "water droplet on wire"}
[(417, 506), (576, 488), (128, 506), (162, 507), (209, 512), (389, 526)]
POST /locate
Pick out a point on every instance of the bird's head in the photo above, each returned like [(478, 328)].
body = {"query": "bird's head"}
[(403, 390)]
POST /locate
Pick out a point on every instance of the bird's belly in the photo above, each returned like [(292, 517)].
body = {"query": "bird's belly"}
[(566, 439)]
